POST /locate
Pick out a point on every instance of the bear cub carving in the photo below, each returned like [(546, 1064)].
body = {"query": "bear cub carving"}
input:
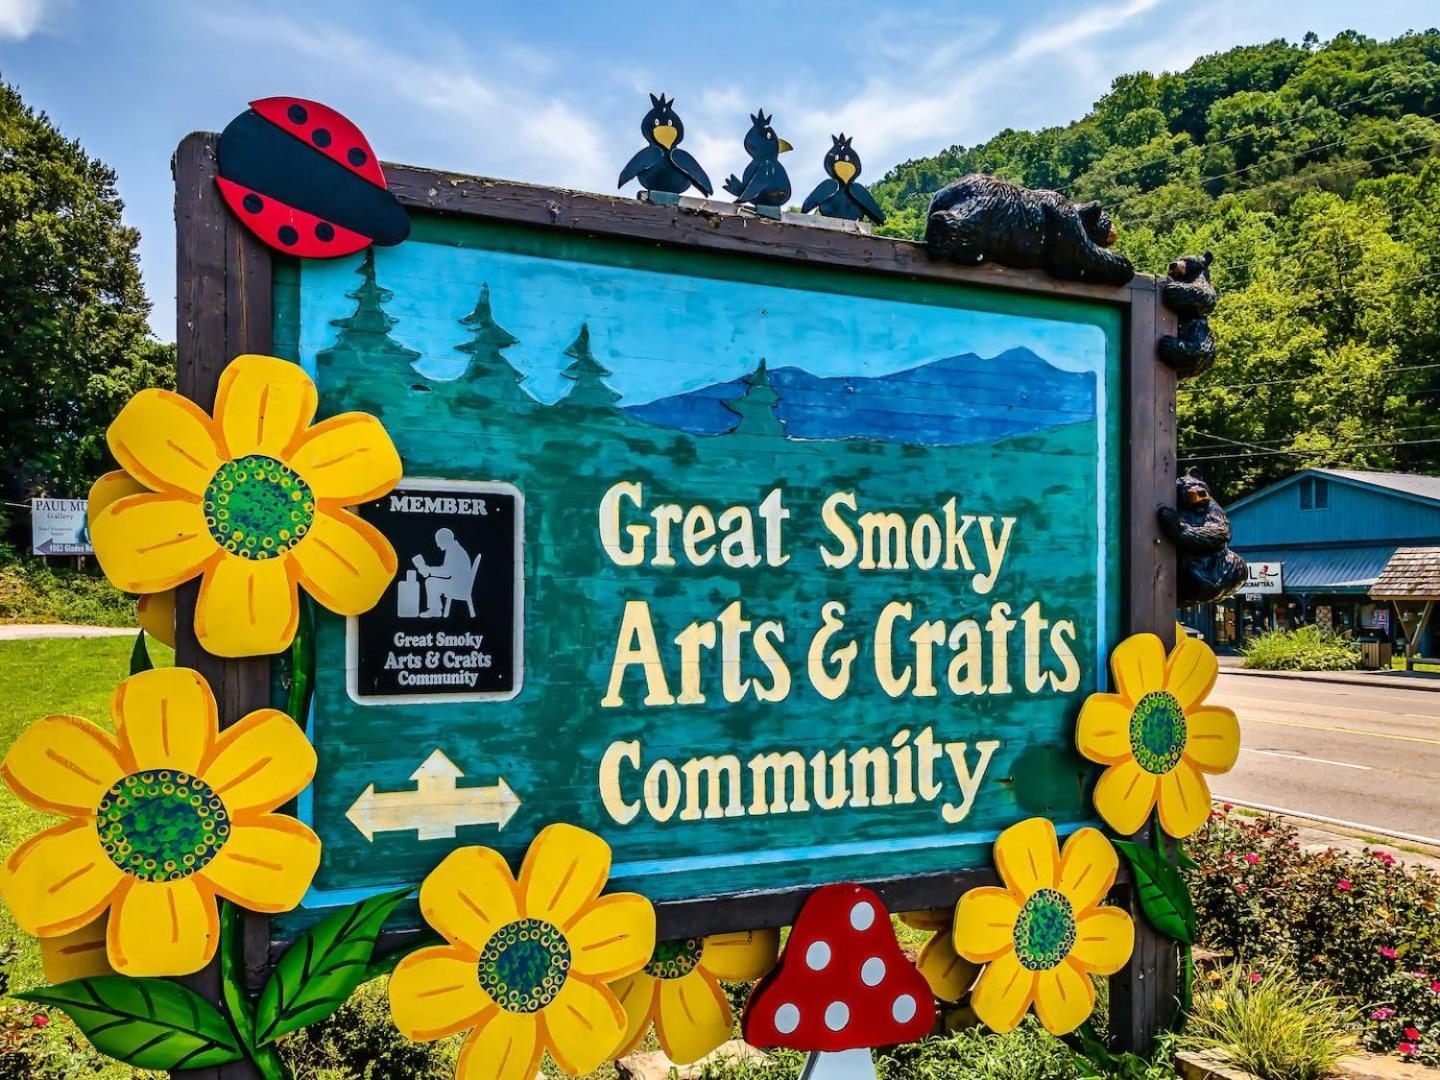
[(981, 218), (1206, 569), (1191, 295)]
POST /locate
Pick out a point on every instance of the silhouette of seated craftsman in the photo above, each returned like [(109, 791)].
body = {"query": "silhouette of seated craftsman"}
[(453, 579)]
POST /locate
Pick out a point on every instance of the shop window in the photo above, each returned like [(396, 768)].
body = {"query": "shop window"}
[(1314, 493)]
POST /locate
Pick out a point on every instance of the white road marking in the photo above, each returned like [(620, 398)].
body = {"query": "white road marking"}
[(1379, 831), (1306, 757)]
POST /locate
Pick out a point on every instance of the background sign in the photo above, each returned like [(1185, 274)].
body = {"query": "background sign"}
[(817, 565), (59, 527), (1264, 578)]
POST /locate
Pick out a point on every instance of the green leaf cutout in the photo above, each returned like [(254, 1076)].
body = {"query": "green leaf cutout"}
[(302, 664), (323, 967), (145, 1023), (237, 1002), (1164, 897), (139, 655)]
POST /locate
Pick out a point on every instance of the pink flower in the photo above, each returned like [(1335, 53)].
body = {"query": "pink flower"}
[(40, 1020), (1406, 1048), (1435, 987), (1387, 952), (1382, 1013), (1242, 888), (1255, 977), (1227, 807), (1252, 858), (1412, 1034), (1344, 884)]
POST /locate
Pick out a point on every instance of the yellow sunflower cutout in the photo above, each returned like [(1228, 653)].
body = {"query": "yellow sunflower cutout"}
[(161, 818), (251, 501), (679, 989), (156, 611), (1157, 736), (527, 961), (1043, 935), (949, 974)]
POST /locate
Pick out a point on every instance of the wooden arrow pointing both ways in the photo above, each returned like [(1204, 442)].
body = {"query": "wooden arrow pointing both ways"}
[(436, 807)]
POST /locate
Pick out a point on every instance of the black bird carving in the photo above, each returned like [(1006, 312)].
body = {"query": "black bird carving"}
[(841, 196), (765, 182), (662, 165)]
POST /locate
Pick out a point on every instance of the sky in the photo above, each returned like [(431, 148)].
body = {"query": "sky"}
[(553, 93)]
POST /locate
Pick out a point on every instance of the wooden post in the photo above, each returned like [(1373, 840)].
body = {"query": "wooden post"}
[(222, 311)]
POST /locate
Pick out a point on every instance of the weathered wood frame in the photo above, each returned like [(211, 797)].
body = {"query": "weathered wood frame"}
[(224, 309)]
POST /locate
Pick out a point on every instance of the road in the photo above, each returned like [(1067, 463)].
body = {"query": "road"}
[(1360, 755)]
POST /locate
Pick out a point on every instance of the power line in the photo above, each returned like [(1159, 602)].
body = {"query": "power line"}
[(1386, 373), (1319, 451)]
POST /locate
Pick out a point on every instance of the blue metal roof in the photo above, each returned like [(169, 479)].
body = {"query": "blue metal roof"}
[(1322, 570)]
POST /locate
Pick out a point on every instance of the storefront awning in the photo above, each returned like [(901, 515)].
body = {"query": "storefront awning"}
[(1413, 573), (1326, 570)]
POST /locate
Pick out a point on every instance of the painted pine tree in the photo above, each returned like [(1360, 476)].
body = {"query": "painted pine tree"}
[(756, 407), (587, 375), (365, 361), (489, 376)]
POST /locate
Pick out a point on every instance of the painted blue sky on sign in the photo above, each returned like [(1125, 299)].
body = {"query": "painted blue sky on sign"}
[(658, 334)]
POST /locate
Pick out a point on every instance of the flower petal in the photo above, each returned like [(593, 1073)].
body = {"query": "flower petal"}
[(932, 919), (469, 896), (59, 880), (582, 1025), (949, 974), (150, 543), (77, 955), (1088, 865), (1184, 800), (692, 1017), (262, 404), (1138, 664), (260, 762), (436, 992), (165, 718), (155, 612), (1191, 671), (247, 607), (1103, 731), (742, 956), (985, 923), (564, 871), (63, 764), (111, 487), (1213, 739), (506, 1047), (1104, 940), (266, 863), (166, 442), (1064, 999), (1027, 855), (613, 937), (348, 459), (638, 995), (1125, 795), (1003, 993), (344, 562), (162, 928)]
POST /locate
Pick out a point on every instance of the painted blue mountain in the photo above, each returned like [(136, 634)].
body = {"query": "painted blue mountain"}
[(949, 402)]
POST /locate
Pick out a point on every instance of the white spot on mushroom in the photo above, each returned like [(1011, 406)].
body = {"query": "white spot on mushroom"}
[(817, 956), (904, 1009), (862, 915), (872, 972), (787, 1018), (837, 1015)]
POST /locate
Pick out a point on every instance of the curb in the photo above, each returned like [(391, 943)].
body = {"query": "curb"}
[(1337, 828), (1360, 1066), (1419, 680)]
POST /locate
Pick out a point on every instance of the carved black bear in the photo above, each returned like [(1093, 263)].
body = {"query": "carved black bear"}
[(980, 218), (1206, 569), (1191, 295)]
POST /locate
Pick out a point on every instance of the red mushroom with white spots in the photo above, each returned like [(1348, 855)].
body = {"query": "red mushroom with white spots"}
[(842, 987)]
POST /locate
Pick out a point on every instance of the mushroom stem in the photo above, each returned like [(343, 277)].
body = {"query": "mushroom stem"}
[(839, 1065)]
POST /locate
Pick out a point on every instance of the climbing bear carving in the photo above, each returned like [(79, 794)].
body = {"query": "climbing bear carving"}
[(1206, 569), (980, 218), (1191, 295)]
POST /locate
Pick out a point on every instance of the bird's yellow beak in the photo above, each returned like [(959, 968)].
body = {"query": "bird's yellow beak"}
[(785, 146), (665, 135), (845, 171)]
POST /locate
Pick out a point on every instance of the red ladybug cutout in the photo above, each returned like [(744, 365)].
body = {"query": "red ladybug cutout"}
[(304, 179)]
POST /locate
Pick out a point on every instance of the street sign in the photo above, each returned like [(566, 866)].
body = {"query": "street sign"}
[(59, 527), (770, 574), (1264, 578)]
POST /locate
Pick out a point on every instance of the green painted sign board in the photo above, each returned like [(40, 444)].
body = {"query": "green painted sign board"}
[(812, 567)]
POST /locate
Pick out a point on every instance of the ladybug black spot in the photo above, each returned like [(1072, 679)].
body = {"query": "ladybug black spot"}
[(325, 231), (357, 157), (320, 137), (253, 203), (297, 114), (288, 235)]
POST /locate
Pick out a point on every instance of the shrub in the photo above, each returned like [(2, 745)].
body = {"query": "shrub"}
[(361, 1041), (1270, 1023), (32, 591), (1306, 649)]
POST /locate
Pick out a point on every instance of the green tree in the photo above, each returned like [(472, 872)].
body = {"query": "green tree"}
[(588, 388), (489, 376), (74, 342), (756, 407), (364, 351)]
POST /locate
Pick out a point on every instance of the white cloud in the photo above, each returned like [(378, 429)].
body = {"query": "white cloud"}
[(21, 18)]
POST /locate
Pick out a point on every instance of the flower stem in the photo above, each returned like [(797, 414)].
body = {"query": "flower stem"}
[(237, 1002)]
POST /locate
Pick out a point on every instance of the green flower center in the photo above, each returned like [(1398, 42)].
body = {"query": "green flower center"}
[(161, 825), (257, 507), (524, 964), (1045, 931), (1158, 732), (673, 959)]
